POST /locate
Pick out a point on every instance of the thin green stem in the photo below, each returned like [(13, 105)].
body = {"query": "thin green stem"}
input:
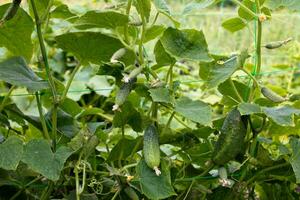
[(54, 126), (245, 8), (155, 18), (126, 34), (235, 90), (65, 92), (6, 98), (197, 177), (251, 76), (47, 11), (187, 193), (141, 50), (42, 118)]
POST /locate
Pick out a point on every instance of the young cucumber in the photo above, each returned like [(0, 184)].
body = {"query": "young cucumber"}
[(151, 148), (272, 96), (11, 11), (231, 139), (123, 93)]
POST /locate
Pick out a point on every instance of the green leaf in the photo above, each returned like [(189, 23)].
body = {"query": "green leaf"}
[(190, 44), (163, 8), (11, 151), (143, 7), (153, 186), (234, 24), (249, 108), (41, 7), (198, 5), (16, 72), (196, 111), (101, 19), (244, 14), (161, 56), (295, 158), (39, 157), (128, 115), (283, 116), (15, 34), (153, 32), (229, 95), (88, 47), (71, 107), (293, 5), (216, 73), (125, 148), (62, 12), (160, 95)]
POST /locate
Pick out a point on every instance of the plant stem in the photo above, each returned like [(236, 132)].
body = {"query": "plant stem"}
[(48, 72), (266, 170), (65, 92), (126, 27), (251, 76), (6, 98), (141, 52), (197, 177), (42, 118)]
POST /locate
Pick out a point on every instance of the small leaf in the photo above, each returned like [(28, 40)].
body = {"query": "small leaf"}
[(89, 46), (62, 12), (101, 19), (234, 24), (249, 108), (295, 158), (144, 8), (163, 8), (186, 44), (198, 5), (161, 56), (16, 72), (15, 34), (283, 116), (153, 186), (11, 151), (244, 14), (160, 95), (153, 32), (39, 157), (196, 111)]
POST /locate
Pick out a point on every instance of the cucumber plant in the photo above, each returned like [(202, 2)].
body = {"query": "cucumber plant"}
[(106, 102)]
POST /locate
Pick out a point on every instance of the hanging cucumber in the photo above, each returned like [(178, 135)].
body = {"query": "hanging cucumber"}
[(231, 139), (122, 94), (131, 193), (151, 149), (277, 44), (118, 55), (272, 96), (133, 74), (11, 11)]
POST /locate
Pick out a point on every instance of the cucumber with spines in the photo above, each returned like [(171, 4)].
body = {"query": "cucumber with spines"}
[(231, 140), (118, 55), (272, 96), (133, 74), (11, 11), (123, 93), (151, 149)]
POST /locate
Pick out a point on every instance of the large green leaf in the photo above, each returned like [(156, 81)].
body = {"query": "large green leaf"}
[(290, 4), (295, 158), (153, 186), (15, 34), (89, 46), (160, 95), (16, 72), (11, 153), (128, 115), (283, 116), (196, 111), (125, 148), (229, 94), (143, 7), (39, 157), (101, 19), (249, 108), (186, 44), (234, 24)]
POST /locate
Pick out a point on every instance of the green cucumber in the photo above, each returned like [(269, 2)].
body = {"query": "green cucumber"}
[(272, 96), (151, 149), (133, 74), (277, 44), (131, 193), (118, 55), (11, 11), (231, 140), (123, 93)]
